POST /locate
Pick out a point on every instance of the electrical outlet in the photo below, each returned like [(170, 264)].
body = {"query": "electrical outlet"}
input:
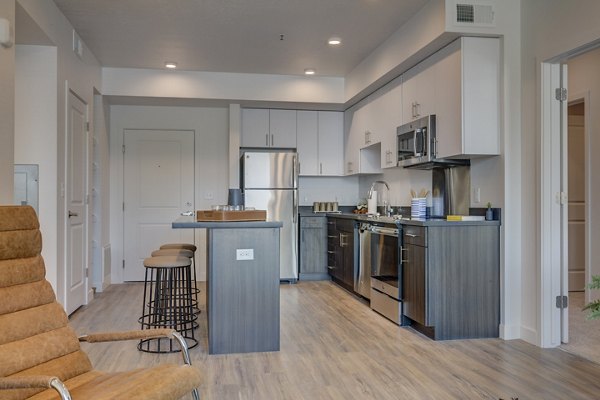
[(244, 254), (209, 195)]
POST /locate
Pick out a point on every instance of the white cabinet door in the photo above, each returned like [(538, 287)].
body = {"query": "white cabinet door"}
[(331, 143), (282, 125), (255, 127), (391, 118), (308, 143), (418, 91), (449, 106), (353, 141), (467, 109)]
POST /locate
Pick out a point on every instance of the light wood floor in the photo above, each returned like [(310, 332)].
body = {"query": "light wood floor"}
[(334, 347)]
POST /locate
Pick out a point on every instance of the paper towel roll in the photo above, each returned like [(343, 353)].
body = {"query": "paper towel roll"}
[(372, 203)]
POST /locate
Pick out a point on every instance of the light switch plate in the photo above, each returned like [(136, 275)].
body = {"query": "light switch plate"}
[(244, 254)]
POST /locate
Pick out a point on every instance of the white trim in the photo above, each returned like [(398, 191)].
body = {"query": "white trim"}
[(509, 332), (529, 335), (550, 224)]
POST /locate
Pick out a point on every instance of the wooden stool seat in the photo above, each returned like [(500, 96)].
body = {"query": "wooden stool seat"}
[(173, 252), (167, 262), (186, 246)]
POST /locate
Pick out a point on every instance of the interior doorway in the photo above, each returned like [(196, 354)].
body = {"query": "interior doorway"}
[(582, 115)]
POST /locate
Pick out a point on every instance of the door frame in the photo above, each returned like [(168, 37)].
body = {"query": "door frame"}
[(553, 276), (86, 219)]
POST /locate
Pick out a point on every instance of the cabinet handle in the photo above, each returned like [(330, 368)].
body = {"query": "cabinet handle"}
[(412, 235), (320, 168), (402, 250), (328, 267), (330, 236), (272, 140), (330, 252), (267, 140), (418, 106)]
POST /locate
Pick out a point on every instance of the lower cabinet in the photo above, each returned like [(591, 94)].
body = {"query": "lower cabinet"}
[(451, 280), (313, 248), (340, 251)]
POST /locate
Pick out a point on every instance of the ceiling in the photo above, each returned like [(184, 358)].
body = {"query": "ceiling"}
[(241, 36)]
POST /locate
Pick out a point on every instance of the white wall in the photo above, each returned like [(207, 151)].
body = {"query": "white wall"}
[(584, 77), (343, 189), (7, 109), (211, 127), (81, 76), (541, 40), (36, 136), (221, 85)]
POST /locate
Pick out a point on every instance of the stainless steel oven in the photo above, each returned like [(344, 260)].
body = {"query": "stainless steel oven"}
[(386, 279)]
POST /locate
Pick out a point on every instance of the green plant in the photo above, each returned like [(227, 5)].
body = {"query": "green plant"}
[(594, 306)]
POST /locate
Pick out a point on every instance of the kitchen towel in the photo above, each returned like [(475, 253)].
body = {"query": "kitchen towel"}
[(372, 203)]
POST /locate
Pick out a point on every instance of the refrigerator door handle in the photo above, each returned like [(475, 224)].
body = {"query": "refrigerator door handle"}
[(295, 172), (295, 206)]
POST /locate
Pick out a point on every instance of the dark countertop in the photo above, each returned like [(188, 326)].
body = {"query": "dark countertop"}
[(416, 222), (190, 222)]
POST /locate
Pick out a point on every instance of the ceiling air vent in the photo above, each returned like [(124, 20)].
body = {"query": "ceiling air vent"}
[(475, 14)]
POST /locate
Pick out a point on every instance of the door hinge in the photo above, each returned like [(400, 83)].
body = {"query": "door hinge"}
[(562, 302), (87, 272), (123, 206), (562, 198), (561, 94), (123, 149), (123, 264)]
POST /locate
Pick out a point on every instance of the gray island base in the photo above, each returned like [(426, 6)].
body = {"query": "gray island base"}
[(242, 298)]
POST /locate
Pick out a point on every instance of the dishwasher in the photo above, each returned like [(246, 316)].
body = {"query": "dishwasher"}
[(386, 281)]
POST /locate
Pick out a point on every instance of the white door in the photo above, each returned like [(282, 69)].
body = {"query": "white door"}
[(158, 186), (76, 191)]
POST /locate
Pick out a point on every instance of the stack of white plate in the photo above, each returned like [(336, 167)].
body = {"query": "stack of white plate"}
[(418, 207)]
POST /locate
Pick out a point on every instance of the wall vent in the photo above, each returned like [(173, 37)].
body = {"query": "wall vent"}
[(475, 14)]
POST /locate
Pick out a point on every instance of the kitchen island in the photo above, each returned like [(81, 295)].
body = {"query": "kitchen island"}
[(242, 299)]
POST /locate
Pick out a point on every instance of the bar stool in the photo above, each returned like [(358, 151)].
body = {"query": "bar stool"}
[(181, 253), (192, 248), (168, 302)]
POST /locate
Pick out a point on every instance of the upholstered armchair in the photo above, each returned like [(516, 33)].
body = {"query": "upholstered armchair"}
[(40, 355)]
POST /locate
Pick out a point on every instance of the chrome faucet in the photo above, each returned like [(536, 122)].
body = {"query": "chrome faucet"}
[(386, 204)]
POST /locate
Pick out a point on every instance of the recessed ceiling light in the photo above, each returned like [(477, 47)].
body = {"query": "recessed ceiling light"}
[(170, 64), (334, 41), (309, 71)]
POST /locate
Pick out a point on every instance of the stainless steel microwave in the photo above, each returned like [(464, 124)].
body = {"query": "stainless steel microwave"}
[(416, 141)]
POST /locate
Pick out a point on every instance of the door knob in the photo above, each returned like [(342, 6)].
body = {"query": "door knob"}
[(73, 214)]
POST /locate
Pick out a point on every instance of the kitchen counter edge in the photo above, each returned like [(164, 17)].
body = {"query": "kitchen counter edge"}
[(190, 222), (429, 222)]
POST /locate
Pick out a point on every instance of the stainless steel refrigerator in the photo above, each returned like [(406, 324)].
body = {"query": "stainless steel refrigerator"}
[(270, 182)]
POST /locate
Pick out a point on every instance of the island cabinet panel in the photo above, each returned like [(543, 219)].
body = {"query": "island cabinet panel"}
[(313, 248), (243, 295), (457, 294)]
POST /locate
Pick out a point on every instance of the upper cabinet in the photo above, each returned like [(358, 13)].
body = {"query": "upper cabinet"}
[(268, 128), (321, 143), (418, 91), (467, 94)]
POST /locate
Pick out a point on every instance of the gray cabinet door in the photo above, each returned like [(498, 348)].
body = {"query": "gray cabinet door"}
[(414, 277), (313, 248)]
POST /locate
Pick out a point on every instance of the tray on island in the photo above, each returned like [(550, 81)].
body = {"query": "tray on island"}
[(241, 215)]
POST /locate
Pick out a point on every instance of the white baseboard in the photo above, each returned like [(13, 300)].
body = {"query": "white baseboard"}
[(530, 335), (510, 332)]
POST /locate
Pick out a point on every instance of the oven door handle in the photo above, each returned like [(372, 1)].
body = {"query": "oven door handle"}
[(384, 231)]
